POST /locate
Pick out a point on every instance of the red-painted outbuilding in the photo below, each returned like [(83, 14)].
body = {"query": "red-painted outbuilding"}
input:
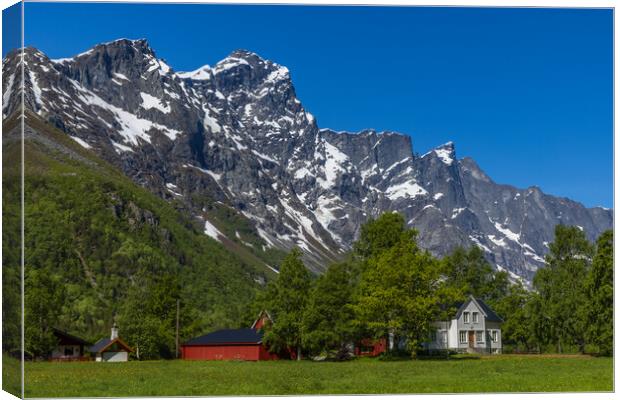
[(370, 347), (230, 344)]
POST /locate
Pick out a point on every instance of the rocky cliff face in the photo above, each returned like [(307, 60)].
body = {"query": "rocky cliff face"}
[(237, 133)]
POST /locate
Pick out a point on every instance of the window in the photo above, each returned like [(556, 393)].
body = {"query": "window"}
[(479, 337), (494, 336), (444, 337), (474, 317), (463, 336), (466, 317), (433, 336)]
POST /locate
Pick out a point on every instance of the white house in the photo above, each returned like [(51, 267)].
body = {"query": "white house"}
[(111, 349), (474, 328)]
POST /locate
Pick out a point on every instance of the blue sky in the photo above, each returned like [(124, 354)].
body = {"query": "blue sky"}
[(11, 28), (526, 92)]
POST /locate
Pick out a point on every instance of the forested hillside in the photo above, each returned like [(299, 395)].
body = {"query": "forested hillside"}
[(99, 249)]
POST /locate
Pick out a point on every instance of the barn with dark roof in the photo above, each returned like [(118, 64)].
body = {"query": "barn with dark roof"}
[(230, 344)]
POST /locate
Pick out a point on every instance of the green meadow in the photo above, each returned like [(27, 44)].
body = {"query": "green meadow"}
[(506, 373)]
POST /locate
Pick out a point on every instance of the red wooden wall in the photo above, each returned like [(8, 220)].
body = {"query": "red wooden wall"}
[(248, 352), (369, 347)]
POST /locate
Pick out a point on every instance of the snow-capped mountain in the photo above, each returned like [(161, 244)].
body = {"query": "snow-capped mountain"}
[(237, 133)]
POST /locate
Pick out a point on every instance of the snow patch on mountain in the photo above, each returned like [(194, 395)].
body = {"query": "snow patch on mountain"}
[(132, 127), (81, 142), (408, 189), (334, 161), (212, 231), (444, 154), (149, 102)]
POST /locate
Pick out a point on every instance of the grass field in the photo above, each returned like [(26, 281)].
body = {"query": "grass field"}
[(11, 375), (488, 374)]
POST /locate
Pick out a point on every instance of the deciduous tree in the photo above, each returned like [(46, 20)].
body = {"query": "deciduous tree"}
[(327, 322), (561, 289), (600, 295)]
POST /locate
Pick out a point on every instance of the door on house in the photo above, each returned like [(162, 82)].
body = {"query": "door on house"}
[(471, 338)]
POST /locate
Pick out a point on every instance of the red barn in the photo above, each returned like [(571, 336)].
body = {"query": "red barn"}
[(230, 344)]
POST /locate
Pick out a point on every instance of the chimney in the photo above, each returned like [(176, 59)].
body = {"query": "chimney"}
[(114, 334)]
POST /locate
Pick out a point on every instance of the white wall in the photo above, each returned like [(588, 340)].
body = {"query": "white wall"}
[(472, 326), (453, 335), (115, 356)]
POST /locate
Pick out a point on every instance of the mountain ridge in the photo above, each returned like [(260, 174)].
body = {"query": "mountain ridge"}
[(241, 127)]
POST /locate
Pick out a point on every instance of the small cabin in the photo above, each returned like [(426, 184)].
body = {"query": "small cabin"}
[(112, 349), (69, 347)]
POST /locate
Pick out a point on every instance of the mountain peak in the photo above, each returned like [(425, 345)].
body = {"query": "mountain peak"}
[(245, 54), (471, 167), (127, 42), (240, 57), (447, 146), (140, 46), (444, 152), (199, 74)]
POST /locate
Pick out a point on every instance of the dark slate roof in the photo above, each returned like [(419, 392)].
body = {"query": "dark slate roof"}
[(68, 336), (100, 345), (227, 336), (491, 315)]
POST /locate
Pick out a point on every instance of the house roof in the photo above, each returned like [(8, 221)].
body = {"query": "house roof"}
[(103, 344), (100, 345), (228, 336), (68, 337), (260, 316), (490, 315)]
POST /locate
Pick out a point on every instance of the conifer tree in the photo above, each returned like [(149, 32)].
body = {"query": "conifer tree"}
[(327, 323), (288, 298)]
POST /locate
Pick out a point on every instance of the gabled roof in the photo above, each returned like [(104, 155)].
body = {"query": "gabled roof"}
[(103, 344), (488, 312), (260, 316), (100, 345), (64, 335), (228, 336)]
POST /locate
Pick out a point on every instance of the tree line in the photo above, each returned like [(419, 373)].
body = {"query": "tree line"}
[(388, 285)]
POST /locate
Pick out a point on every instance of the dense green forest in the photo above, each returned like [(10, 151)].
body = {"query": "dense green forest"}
[(101, 249), (389, 285)]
